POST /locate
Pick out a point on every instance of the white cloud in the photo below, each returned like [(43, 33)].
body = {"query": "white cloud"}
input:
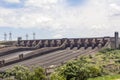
[(62, 19), (13, 1), (58, 36), (46, 4), (115, 6)]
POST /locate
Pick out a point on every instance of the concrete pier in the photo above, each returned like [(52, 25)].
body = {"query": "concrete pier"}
[(116, 40)]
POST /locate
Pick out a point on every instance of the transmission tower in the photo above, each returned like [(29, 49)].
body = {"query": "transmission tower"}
[(34, 36), (5, 37), (10, 36), (26, 36)]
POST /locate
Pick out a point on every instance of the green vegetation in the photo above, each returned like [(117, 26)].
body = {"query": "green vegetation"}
[(23, 73), (110, 77), (105, 62)]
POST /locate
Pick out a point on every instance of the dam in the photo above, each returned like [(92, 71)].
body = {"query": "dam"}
[(48, 52)]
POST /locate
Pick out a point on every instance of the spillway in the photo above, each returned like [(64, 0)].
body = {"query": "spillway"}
[(53, 58)]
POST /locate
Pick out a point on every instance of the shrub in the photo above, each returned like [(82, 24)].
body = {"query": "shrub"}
[(57, 76), (106, 50), (23, 73), (79, 71)]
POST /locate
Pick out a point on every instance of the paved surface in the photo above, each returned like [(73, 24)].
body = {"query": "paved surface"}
[(10, 56), (7, 49)]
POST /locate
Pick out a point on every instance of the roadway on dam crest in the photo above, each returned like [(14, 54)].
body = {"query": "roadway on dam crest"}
[(7, 49), (53, 58), (13, 55)]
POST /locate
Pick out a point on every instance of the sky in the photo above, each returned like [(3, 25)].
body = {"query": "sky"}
[(59, 18)]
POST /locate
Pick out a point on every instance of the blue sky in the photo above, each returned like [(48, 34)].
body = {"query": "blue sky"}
[(21, 32), (76, 2), (59, 18), (4, 3)]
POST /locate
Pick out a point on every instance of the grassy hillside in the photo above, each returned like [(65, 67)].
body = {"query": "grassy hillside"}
[(104, 63), (109, 77)]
